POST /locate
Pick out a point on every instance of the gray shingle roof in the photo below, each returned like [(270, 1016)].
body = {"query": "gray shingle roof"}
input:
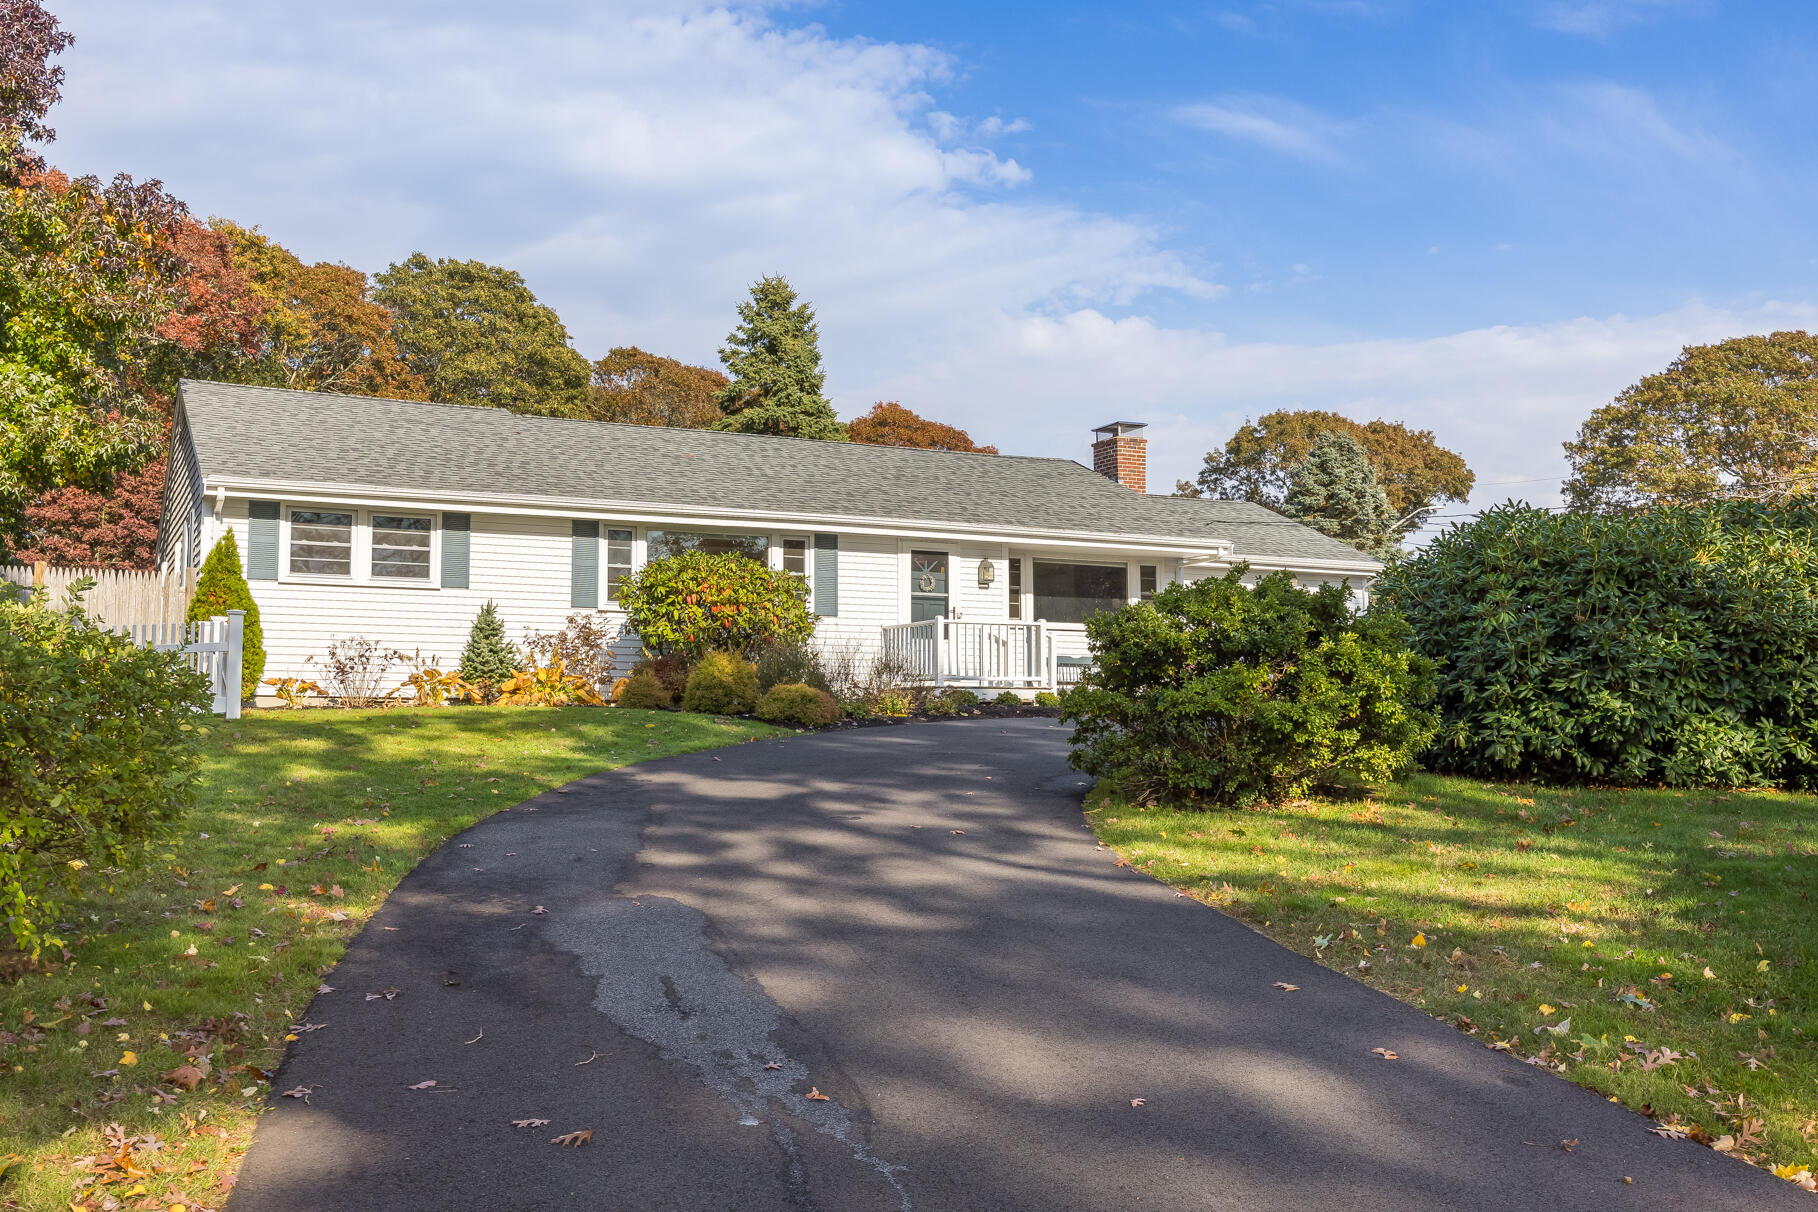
[(263, 433)]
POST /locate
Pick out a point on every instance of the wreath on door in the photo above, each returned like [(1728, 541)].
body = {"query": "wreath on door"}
[(927, 582)]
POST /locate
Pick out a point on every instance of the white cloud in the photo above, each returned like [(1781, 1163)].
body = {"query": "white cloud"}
[(642, 165), (1505, 397), (1277, 125), (1601, 18)]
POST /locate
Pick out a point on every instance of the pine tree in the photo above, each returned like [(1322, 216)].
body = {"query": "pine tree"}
[(488, 659), (774, 359), (1336, 492), (220, 587)]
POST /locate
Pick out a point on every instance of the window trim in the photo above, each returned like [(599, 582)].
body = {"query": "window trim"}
[(609, 599), (360, 557), (779, 547)]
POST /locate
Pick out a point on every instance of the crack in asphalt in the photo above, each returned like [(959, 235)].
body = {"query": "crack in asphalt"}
[(660, 981)]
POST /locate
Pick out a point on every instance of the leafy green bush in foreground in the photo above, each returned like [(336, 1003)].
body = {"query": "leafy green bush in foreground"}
[(1674, 646), (1214, 692), (98, 755)]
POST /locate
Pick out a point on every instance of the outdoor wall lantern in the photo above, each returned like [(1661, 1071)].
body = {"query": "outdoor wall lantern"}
[(987, 573)]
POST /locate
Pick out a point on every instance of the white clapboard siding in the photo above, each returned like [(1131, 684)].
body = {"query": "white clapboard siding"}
[(120, 596)]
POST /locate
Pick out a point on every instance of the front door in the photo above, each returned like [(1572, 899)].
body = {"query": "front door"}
[(927, 585)]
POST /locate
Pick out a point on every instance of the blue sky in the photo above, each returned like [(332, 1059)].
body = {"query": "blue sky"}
[(1479, 218)]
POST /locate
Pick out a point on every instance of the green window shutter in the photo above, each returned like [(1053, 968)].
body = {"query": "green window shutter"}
[(827, 575), (585, 566), (457, 529), (261, 540)]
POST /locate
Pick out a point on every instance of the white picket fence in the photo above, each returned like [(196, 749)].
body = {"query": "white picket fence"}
[(213, 646), (120, 596)]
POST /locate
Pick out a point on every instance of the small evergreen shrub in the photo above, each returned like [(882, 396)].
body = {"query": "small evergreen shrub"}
[(961, 698), (721, 683), (1668, 647), (99, 756), (1047, 698), (220, 587), (695, 603), (938, 704), (644, 692), (790, 664), (488, 660), (1008, 698), (806, 706), (1221, 694)]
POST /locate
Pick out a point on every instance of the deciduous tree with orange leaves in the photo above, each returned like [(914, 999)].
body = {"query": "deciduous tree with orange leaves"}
[(890, 424)]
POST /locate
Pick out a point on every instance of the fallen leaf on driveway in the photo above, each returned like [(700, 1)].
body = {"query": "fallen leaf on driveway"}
[(1568, 1144), (301, 1092), (1138, 1102), (1385, 1053), (572, 1139), (1669, 1133), (814, 1092), (528, 1123), (960, 832), (1285, 987), (772, 1065), (391, 991), (539, 911), (423, 1085)]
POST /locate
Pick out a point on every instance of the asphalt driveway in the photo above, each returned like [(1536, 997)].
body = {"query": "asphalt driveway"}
[(915, 923)]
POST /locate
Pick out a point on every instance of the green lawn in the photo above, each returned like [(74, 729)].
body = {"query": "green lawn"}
[(307, 820), (1655, 946)]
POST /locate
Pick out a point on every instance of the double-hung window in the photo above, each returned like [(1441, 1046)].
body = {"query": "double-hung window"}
[(321, 543), (618, 561), (1146, 581), (400, 547)]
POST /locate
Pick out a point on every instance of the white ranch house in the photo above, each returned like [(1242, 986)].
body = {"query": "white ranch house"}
[(397, 520)]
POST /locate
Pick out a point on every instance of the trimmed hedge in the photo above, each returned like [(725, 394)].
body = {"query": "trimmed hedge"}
[(1674, 647), (797, 704), (721, 683), (643, 690), (1215, 693)]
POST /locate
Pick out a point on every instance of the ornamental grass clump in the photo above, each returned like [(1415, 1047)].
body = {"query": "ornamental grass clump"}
[(1218, 694), (1668, 647)]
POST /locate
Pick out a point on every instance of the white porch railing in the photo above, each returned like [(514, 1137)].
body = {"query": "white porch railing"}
[(996, 652), (213, 646)]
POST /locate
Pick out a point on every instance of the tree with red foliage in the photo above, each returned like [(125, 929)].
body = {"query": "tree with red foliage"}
[(890, 424)]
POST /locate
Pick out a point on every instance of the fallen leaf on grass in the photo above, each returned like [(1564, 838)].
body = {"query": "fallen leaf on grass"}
[(572, 1139), (528, 1123), (1385, 1053), (186, 1076), (1285, 987), (814, 1092), (1669, 1133), (423, 1085)]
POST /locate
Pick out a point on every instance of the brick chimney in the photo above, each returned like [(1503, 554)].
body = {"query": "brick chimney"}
[(1121, 452)]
